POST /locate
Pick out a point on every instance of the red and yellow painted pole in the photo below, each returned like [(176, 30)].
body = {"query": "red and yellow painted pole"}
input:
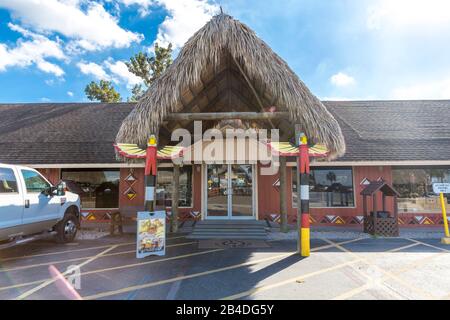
[(150, 173), (304, 196), (445, 240)]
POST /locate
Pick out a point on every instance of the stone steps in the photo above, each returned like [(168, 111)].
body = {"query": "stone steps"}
[(229, 229)]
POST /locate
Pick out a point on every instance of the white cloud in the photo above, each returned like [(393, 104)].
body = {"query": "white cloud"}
[(50, 68), (144, 5), (439, 89), (120, 70), (184, 19), (408, 14), (32, 51), (342, 80), (70, 93), (110, 70), (94, 69), (87, 24)]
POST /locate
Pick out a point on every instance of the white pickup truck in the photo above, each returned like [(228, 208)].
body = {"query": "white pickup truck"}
[(31, 207)]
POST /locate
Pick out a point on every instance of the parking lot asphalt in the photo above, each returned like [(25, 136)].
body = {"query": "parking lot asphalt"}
[(398, 268)]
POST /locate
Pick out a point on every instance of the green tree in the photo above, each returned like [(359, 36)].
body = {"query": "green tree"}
[(148, 68), (136, 93), (103, 91)]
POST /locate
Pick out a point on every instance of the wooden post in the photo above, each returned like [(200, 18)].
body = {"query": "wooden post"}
[(366, 218), (365, 206), (375, 215), (283, 195), (395, 209), (396, 215), (175, 198)]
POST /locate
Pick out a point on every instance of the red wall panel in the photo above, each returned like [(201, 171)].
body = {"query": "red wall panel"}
[(269, 197), (130, 207)]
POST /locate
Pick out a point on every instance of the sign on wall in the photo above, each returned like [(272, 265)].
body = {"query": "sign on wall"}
[(151, 234), (439, 188)]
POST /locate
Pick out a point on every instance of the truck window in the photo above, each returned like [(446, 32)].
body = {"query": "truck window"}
[(8, 182), (34, 182)]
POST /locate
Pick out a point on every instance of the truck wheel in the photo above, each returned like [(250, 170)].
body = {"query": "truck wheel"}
[(67, 228)]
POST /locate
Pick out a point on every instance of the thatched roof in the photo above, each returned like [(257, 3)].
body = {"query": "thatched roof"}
[(205, 55)]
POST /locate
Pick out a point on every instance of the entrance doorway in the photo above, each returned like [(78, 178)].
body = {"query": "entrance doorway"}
[(230, 191)]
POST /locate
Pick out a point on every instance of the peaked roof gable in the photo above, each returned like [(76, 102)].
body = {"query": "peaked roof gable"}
[(204, 52)]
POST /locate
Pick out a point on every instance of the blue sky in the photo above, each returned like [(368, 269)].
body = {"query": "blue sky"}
[(342, 49)]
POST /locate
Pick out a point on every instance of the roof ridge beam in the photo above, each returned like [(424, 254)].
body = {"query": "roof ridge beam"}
[(227, 116)]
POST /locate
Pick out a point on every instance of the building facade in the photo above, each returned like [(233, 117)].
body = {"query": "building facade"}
[(406, 143), (226, 76)]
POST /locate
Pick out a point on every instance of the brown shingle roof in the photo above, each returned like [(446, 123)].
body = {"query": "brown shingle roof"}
[(394, 130), (51, 133), (60, 133)]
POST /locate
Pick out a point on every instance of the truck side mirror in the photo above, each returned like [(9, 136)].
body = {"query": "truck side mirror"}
[(49, 192), (61, 189)]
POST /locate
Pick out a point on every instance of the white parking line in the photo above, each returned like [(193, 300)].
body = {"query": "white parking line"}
[(25, 267), (49, 282), (116, 268), (74, 250), (387, 274), (25, 284), (190, 276), (304, 276), (180, 278)]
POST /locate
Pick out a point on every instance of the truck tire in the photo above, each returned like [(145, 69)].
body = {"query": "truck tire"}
[(67, 228)]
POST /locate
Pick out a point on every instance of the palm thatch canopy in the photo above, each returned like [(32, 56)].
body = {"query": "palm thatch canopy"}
[(225, 67)]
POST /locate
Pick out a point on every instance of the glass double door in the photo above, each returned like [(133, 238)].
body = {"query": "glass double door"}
[(230, 191)]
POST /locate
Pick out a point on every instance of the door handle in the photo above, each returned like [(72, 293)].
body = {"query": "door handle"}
[(27, 203)]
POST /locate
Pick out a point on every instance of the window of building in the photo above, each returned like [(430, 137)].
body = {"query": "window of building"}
[(97, 188), (34, 182), (8, 182), (328, 187), (415, 186), (164, 187)]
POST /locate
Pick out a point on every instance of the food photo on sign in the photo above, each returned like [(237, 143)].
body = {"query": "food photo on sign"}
[(151, 234)]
